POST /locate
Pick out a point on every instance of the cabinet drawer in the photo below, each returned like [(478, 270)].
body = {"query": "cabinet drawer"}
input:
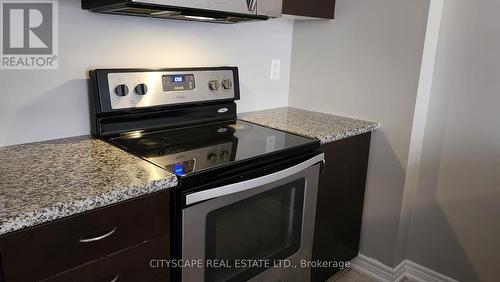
[(52, 248), (131, 265)]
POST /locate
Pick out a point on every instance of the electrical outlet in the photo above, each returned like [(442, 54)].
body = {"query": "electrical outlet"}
[(275, 69)]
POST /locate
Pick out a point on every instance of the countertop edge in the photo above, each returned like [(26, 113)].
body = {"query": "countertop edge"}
[(349, 133)]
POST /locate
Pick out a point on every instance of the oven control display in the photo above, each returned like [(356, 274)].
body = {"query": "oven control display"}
[(181, 168), (178, 82)]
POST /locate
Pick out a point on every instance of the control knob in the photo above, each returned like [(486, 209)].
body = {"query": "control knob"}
[(224, 155), (212, 158), (141, 89), (227, 84), (121, 90), (213, 85)]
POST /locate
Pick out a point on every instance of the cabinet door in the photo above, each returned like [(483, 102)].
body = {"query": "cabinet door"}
[(313, 8), (340, 203)]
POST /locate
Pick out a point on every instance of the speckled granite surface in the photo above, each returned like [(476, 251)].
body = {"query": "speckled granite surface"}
[(41, 182), (325, 127)]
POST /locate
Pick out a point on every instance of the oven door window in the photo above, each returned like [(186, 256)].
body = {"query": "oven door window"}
[(267, 226)]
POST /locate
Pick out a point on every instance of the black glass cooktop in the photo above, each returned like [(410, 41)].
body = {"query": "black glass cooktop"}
[(189, 150)]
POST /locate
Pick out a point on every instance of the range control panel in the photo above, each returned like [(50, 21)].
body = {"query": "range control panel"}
[(129, 90), (198, 159)]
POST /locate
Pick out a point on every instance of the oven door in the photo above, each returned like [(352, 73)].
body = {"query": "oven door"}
[(245, 230)]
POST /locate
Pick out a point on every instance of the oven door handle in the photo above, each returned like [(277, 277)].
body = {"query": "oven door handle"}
[(252, 183)]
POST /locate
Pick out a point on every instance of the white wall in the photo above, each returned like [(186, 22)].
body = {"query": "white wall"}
[(366, 64), (456, 227), (41, 105)]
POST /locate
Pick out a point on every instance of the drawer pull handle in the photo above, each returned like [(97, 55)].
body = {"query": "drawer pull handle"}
[(95, 239), (116, 278)]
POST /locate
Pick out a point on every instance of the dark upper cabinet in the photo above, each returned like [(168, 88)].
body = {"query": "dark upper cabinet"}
[(324, 9)]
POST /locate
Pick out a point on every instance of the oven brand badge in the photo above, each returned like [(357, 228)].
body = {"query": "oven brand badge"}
[(29, 34)]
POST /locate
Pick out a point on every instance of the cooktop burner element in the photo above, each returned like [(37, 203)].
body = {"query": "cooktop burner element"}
[(196, 148), (153, 141)]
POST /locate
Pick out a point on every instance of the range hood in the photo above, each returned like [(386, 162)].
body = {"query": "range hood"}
[(215, 11)]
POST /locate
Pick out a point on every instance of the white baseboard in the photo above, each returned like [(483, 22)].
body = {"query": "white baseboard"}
[(406, 269)]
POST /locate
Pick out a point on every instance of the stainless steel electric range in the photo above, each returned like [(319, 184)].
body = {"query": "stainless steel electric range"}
[(246, 200)]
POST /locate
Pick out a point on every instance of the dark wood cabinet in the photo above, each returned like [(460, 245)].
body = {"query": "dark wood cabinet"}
[(46, 250), (340, 203), (1, 270), (324, 9)]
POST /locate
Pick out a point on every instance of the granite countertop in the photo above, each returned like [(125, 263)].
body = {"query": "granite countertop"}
[(325, 127), (41, 182)]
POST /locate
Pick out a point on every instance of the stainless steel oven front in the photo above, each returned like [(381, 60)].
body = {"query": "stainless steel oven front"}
[(256, 230)]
